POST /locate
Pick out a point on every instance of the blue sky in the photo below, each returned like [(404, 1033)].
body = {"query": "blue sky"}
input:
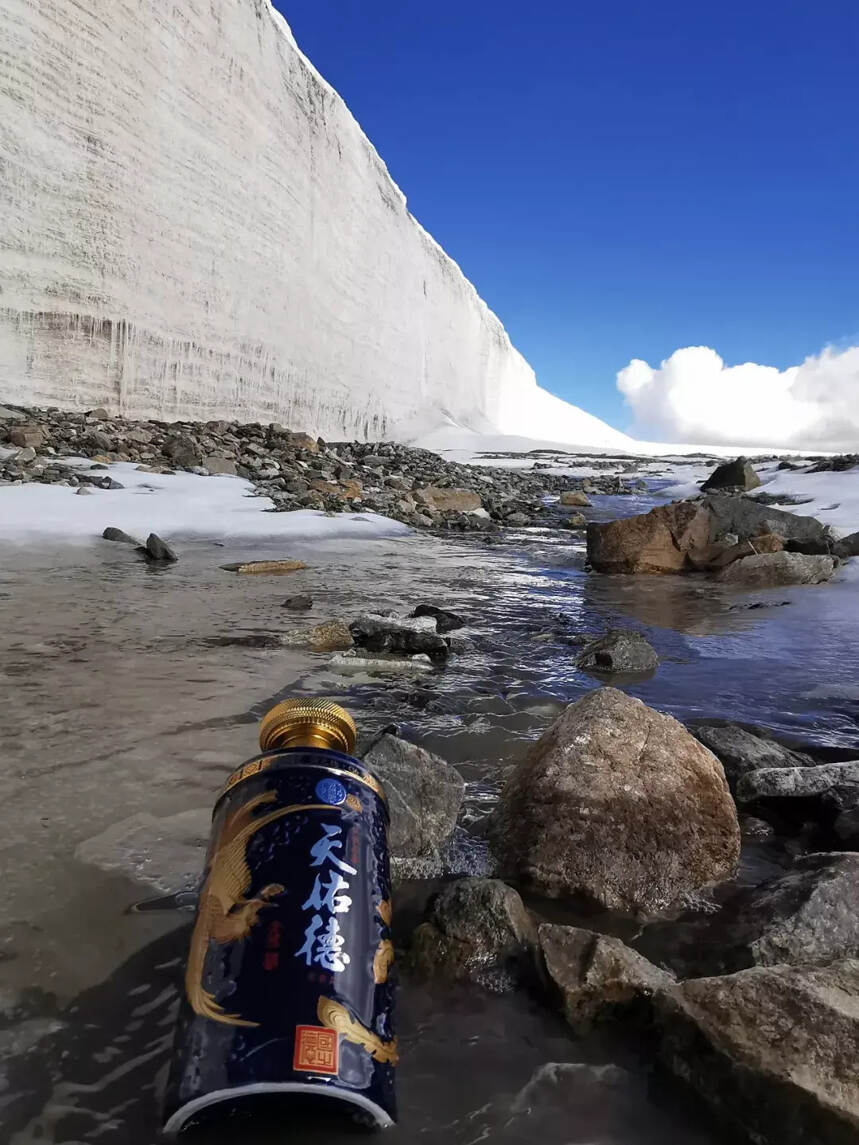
[(619, 178)]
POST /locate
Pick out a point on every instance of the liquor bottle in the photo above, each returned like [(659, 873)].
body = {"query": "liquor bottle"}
[(288, 990)]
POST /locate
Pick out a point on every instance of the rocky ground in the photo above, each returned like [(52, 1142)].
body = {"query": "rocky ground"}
[(755, 1008), (753, 1001), (297, 471)]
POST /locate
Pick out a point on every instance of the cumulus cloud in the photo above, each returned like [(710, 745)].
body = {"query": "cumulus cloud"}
[(694, 397)]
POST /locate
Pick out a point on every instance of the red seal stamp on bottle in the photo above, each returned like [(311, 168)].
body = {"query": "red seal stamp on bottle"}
[(316, 1050)]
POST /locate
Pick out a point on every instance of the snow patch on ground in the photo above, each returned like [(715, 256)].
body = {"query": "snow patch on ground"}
[(576, 434), (177, 506), (834, 496)]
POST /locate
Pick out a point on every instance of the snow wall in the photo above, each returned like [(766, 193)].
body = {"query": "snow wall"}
[(193, 225)]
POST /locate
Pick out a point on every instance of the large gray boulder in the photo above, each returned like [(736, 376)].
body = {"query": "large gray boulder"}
[(618, 651), (746, 518), (737, 474), (810, 915), (477, 930), (847, 547), (845, 827), (771, 1050), (424, 795), (619, 802), (796, 782), (776, 570), (741, 751), (596, 975)]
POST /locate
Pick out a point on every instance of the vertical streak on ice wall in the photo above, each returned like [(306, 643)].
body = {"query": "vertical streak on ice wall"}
[(193, 225)]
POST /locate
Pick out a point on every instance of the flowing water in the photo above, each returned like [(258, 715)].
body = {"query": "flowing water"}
[(124, 702)]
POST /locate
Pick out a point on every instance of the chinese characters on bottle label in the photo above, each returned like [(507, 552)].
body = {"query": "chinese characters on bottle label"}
[(323, 942)]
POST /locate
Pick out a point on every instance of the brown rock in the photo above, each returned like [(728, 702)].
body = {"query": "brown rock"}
[(220, 465), (719, 556), (772, 1050), (27, 436), (266, 568), (656, 542), (332, 636), (344, 491), (574, 497), (596, 972), (326, 488), (689, 534), (449, 500), (620, 802), (304, 441), (352, 490), (138, 436), (772, 570)]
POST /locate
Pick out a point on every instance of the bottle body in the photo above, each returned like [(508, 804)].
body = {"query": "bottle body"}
[(288, 985)]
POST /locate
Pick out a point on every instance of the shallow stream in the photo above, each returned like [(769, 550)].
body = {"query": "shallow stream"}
[(120, 700)]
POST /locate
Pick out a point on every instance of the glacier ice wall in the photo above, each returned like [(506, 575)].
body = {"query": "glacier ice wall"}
[(192, 224)]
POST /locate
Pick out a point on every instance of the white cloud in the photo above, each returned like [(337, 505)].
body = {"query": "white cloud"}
[(695, 397)]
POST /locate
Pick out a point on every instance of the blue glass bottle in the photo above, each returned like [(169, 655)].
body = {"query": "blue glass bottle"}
[(288, 987)]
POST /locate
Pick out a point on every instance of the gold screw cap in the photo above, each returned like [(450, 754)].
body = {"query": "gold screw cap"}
[(307, 723)]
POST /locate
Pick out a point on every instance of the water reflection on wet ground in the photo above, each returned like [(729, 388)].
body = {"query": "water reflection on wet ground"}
[(478, 1068), (117, 704)]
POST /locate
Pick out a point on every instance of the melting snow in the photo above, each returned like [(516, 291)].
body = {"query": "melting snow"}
[(176, 506)]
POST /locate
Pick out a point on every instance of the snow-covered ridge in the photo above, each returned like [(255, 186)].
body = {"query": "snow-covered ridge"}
[(192, 224)]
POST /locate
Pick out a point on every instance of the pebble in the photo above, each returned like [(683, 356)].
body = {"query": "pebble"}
[(351, 663), (299, 603), (266, 568), (113, 534), (159, 550)]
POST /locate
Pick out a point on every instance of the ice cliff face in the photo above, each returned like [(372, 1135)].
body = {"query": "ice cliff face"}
[(193, 225)]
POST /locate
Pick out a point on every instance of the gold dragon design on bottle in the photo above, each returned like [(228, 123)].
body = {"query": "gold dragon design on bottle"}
[(225, 915)]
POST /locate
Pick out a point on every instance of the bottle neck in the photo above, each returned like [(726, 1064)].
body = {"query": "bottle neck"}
[(307, 737)]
